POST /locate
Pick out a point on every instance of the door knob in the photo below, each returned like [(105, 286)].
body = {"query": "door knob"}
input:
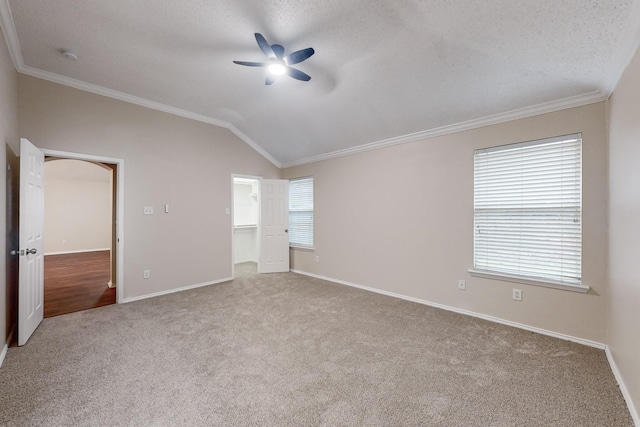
[(31, 251), (286, 230)]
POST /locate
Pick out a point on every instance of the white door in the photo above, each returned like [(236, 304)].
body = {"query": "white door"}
[(274, 226), (31, 272)]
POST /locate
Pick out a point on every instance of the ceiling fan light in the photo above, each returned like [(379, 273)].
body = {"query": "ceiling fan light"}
[(277, 69)]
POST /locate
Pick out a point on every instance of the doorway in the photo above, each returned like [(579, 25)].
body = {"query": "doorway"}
[(260, 224), (79, 269), (246, 231)]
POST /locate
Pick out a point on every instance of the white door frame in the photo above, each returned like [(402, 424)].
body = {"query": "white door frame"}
[(233, 198), (119, 212)]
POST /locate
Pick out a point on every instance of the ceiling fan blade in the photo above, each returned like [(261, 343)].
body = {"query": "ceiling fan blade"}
[(250, 64), (265, 47), (298, 75), (278, 50), (270, 79), (299, 56)]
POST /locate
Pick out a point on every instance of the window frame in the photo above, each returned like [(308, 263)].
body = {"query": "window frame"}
[(298, 245), (511, 276)]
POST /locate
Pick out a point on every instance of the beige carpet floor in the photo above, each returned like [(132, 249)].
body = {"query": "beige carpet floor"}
[(288, 350)]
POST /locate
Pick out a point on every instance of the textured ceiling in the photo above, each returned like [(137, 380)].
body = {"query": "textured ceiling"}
[(382, 69)]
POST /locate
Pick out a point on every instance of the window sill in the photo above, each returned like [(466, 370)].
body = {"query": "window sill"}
[(529, 281), (302, 248)]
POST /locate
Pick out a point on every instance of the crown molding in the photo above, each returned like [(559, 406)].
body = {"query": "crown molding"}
[(621, 60), (10, 35), (626, 50), (110, 93), (534, 110), (253, 145)]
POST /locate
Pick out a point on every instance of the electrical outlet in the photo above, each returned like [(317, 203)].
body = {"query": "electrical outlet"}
[(317, 258), (146, 274), (462, 285), (517, 294), (148, 210)]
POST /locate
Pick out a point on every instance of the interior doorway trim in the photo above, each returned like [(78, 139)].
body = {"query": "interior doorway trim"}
[(233, 200), (119, 209)]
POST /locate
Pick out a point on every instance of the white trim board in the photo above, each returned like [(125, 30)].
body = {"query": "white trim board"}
[(11, 36), (77, 252), (521, 113), (534, 110), (121, 96), (622, 58), (172, 291), (565, 337), (3, 353), (5, 349), (623, 388), (589, 343)]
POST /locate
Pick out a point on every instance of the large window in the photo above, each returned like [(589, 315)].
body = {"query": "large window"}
[(301, 212), (528, 211)]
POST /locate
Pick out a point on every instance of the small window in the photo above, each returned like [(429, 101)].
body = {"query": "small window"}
[(528, 211), (301, 212)]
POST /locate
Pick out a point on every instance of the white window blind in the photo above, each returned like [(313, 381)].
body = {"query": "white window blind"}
[(528, 209), (301, 212)]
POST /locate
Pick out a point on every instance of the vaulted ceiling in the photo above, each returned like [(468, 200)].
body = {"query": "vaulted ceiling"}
[(383, 72)]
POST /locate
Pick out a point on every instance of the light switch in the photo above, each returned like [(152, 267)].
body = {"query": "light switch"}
[(166, 208)]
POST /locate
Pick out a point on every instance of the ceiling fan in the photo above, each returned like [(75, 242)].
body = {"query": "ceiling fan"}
[(277, 63)]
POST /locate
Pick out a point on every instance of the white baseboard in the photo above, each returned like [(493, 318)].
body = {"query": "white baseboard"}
[(5, 349), (77, 252), (623, 387), (244, 260), (3, 354), (612, 363), (461, 311), (172, 291)]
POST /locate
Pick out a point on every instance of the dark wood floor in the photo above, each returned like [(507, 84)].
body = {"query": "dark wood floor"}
[(75, 282)]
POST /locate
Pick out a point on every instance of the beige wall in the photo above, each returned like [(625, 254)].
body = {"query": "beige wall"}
[(400, 219), (77, 210), (167, 160), (624, 228), (8, 135)]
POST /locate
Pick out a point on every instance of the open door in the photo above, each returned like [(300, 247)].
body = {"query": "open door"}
[(31, 270), (274, 226)]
